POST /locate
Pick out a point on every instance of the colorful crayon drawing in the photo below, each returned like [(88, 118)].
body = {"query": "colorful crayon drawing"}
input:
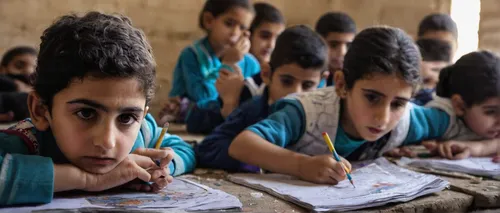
[(170, 198)]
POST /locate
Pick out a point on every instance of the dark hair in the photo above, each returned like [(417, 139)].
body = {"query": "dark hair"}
[(15, 51), (96, 44), (474, 77), (336, 22), (383, 50), (434, 50), (438, 22), (301, 45), (218, 7), (265, 12)]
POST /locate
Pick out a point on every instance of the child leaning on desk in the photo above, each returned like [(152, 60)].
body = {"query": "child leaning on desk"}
[(89, 127)]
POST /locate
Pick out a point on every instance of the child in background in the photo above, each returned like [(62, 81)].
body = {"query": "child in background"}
[(468, 91), (297, 64), (442, 27), (16, 66), (265, 29), (435, 56), (89, 128), (338, 29), (367, 113), (221, 56)]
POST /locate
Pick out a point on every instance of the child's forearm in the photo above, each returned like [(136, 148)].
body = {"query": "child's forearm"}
[(249, 148), (484, 148), (68, 177)]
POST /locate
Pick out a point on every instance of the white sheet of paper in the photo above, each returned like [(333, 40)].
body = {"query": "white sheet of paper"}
[(376, 184), (181, 194), (482, 166)]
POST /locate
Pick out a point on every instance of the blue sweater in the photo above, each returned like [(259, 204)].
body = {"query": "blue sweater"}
[(27, 158), (196, 72), (285, 126), (213, 151)]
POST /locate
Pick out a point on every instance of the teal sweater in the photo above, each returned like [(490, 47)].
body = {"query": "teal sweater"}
[(27, 158)]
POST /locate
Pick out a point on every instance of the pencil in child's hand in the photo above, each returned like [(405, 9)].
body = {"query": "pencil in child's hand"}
[(336, 156), (160, 139)]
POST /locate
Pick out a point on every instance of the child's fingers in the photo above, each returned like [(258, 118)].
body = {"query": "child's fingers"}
[(405, 151), (142, 174), (465, 153), (448, 152), (430, 145), (169, 178), (143, 161), (496, 159), (441, 151), (338, 172), (347, 164), (393, 153)]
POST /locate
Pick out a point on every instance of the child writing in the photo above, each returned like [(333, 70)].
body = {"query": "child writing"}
[(439, 26), (297, 65), (221, 56), (435, 56), (89, 128), (367, 113), (468, 91), (338, 29)]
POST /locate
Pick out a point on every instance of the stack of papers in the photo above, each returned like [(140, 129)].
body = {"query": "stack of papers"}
[(180, 195), (475, 166), (377, 184)]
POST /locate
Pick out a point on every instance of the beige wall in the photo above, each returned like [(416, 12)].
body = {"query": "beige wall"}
[(489, 26), (172, 24)]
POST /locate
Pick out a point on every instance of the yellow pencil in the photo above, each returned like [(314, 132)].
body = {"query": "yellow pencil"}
[(336, 156), (162, 134)]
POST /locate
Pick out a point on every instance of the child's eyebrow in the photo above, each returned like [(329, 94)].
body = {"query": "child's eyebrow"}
[(491, 107), (102, 107), (383, 95)]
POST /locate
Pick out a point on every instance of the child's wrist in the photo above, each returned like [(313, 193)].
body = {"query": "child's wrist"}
[(300, 160)]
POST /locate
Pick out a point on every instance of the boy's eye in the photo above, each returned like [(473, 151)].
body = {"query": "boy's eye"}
[(286, 82), (127, 119), (86, 114), (397, 104), (372, 98), (307, 86), (230, 23), (490, 112)]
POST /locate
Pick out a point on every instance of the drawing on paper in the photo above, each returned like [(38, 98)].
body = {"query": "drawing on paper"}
[(382, 186), (145, 199)]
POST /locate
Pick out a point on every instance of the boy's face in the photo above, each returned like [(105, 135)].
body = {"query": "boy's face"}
[(443, 36), (95, 122), (430, 72), (290, 78), (263, 40), (227, 28), (374, 105), (338, 44), (23, 64), (483, 119)]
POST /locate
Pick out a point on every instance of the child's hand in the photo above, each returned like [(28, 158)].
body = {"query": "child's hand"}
[(401, 152), (132, 167), (170, 110), (496, 159), (229, 85), (7, 117), (452, 150), (322, 169), (236, 52), (160, 176)]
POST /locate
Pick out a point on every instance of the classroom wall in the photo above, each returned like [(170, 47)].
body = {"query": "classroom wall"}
[(170, 24), (489, 25)]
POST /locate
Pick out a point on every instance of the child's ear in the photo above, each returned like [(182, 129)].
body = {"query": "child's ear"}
[(265, 73), (39, 112), (458, 104), (146, 110), (340, 86), (207, 20)]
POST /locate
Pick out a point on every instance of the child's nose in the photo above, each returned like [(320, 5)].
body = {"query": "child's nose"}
[(106, 137), (382, 115)]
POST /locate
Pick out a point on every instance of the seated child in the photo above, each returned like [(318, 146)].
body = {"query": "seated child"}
[(367, 113), (265, 29), (439, 26), (297, 62), (468, 91), (225, 47), (435, 56), (89, 128), (338, 29), (16, 66)]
